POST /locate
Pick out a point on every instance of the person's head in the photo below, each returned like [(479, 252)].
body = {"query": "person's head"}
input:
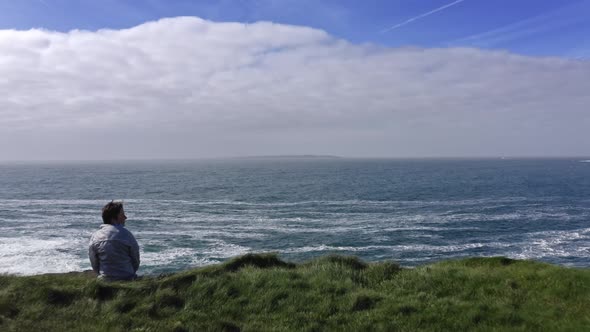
[(113, 213)]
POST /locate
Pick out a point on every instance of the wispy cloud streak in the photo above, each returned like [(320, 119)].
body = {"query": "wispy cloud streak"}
[(408, 21), (564, 16)]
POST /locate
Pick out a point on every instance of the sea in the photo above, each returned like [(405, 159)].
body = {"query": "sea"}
[(191, 213)]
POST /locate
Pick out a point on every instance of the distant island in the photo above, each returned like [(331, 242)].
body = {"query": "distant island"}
[(297, 156)]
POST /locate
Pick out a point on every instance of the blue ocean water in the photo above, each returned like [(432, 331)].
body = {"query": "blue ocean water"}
[(192, 213)]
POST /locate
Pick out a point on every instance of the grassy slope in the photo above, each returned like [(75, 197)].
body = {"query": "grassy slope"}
[(260, 292)]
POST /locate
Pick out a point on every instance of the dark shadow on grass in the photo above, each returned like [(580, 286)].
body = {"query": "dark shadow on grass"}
[(60, 297), (351, 262), (8, 308), (489, 261), (227, 327), (179, 282), (102, 292), (263, 261), (407, 309), (124, 306), (364, 302), (171, 301)]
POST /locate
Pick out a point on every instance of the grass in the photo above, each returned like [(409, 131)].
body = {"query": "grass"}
[(263, 293)]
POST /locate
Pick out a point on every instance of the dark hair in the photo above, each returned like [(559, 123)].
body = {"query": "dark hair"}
[(111, 211)]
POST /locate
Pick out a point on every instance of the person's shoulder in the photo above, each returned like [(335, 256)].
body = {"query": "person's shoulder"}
[(108, 232), (124, 232), (102, 230)]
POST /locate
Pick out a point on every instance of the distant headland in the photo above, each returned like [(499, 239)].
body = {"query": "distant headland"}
[(295, 156)]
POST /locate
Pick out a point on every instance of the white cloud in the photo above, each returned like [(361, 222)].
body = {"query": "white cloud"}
[(185, 87)]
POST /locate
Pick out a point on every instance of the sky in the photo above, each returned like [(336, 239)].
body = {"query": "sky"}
[(155, 79)]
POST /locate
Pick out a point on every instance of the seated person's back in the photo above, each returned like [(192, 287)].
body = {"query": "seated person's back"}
[(113, 250)]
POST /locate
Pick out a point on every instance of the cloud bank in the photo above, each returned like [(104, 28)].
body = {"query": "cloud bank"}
[(185, 87)]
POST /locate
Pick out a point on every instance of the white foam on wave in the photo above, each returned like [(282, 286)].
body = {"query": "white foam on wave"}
[(570, 243), (524, 215), (304, 230), (49, 202), (323, 247), (211, 254), (169, 256), (198, 234), (42, 249), (555, 213), (420, 236), (28, 255), (424, 228), (423, 248), (222, 249), (166, 255)]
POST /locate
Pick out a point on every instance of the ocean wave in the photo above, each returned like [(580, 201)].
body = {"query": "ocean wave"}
[(51, 202), (222, 249), (29, 255), (36, 248), (198, 234), (188, 256), (10, 246), (323, 203), (423, 248), (570, 244)]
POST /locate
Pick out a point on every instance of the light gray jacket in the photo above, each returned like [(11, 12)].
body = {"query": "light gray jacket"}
[(114, 253)]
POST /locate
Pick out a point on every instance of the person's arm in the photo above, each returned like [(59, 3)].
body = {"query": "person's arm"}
[(93, 255), (134, 252)]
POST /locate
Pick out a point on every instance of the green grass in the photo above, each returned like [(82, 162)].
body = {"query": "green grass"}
[(263, 293)]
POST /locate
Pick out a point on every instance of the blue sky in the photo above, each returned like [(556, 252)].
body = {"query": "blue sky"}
[(531, 27)]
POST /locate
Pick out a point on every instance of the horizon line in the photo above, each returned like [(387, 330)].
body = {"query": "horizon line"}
[(292, 157)]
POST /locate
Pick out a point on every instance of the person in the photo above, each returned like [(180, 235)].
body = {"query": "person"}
[(113, 250)]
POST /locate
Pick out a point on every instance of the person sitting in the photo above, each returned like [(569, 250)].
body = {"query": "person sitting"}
[(113, 250)]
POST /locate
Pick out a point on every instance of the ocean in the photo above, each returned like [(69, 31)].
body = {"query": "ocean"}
[(191, 213)]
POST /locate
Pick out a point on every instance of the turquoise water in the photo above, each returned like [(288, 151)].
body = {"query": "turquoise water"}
[(192, 213)]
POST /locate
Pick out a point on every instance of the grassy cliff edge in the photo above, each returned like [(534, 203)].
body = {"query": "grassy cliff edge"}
[(259, 292)]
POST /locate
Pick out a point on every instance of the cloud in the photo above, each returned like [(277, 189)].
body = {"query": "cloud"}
[(186, 87)]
